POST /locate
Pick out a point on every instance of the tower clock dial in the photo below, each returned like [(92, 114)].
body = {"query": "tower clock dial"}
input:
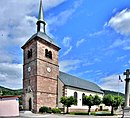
[(29, 69), (48, 69)]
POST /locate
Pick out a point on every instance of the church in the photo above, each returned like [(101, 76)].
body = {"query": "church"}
[(43, 83)]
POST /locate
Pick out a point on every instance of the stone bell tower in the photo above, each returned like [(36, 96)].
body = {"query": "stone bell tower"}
[(40, 69)]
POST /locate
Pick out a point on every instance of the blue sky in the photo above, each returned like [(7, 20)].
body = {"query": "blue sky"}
[(94, 36)]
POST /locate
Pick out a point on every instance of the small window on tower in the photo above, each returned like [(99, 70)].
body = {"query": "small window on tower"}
[(29, 55), (48, 54)]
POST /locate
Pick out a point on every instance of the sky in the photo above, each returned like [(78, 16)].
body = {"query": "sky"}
[(94, 36)]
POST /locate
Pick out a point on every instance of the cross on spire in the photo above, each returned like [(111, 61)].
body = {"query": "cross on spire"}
[(41, 23)]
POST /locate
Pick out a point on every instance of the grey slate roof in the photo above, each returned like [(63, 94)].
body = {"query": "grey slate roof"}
[(73, 81), (43, 36)]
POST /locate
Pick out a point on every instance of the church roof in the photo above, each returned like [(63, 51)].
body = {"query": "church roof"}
[(73, 81), (44, 37)]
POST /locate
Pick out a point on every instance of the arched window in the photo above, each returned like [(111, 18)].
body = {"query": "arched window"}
[(83, 95), (48, 54), (76, 96), (29, 54)]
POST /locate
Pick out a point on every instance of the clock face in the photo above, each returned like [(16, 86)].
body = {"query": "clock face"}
[(29, 69), (48, 69)]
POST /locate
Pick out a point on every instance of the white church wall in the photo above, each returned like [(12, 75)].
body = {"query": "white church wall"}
[(70, 92)]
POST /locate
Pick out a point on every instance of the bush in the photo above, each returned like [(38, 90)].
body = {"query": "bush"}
[(78, 113), (44, 109), (56, 110), (49, 110)]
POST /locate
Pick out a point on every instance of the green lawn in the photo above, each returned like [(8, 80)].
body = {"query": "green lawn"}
[(99, 113)]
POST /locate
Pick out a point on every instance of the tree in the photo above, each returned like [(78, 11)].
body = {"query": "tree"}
[(97, 100), (68, 101), (91, 100), (113, 101)]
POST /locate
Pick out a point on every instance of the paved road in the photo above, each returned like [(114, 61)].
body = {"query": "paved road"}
[(28, 114), (31, 115)]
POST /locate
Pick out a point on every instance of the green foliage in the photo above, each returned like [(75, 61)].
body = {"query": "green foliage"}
[(44, 109), (20, 101), (97, 100), (7, 92), (56, 110), (91, 100), (113, 101), (78, 113), (68, 101), (10, 92), (107, 92)]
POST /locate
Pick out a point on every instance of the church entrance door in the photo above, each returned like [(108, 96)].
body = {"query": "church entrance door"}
[(30, 104)]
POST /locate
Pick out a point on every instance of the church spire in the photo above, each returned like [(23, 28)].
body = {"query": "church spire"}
[(41, 23)]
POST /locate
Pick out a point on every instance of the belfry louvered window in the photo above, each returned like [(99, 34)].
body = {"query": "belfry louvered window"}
[(48, 54), (29, 54)]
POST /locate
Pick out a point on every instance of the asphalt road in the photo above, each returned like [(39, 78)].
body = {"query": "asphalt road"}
[(31, 115), (28, 114)]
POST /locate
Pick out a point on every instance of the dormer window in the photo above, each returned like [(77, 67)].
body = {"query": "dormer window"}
[(29, 54), (48, 54)]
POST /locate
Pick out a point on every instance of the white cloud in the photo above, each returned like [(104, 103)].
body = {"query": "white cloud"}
[(63, 16), (98, 33), (121, 58), (66, 41), (69, 65), (11, 75), (127, 48), (47, 4), (17, 24), (117, 43), (122, 43), (67, 51), (121, 22), (113, 83), (79, 42)]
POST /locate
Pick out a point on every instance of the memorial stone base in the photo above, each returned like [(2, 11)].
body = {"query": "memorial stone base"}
[(126, 112)]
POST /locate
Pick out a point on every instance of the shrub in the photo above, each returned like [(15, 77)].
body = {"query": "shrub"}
[(49, 110), (78, 113), (56, 110), (44, 109)]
